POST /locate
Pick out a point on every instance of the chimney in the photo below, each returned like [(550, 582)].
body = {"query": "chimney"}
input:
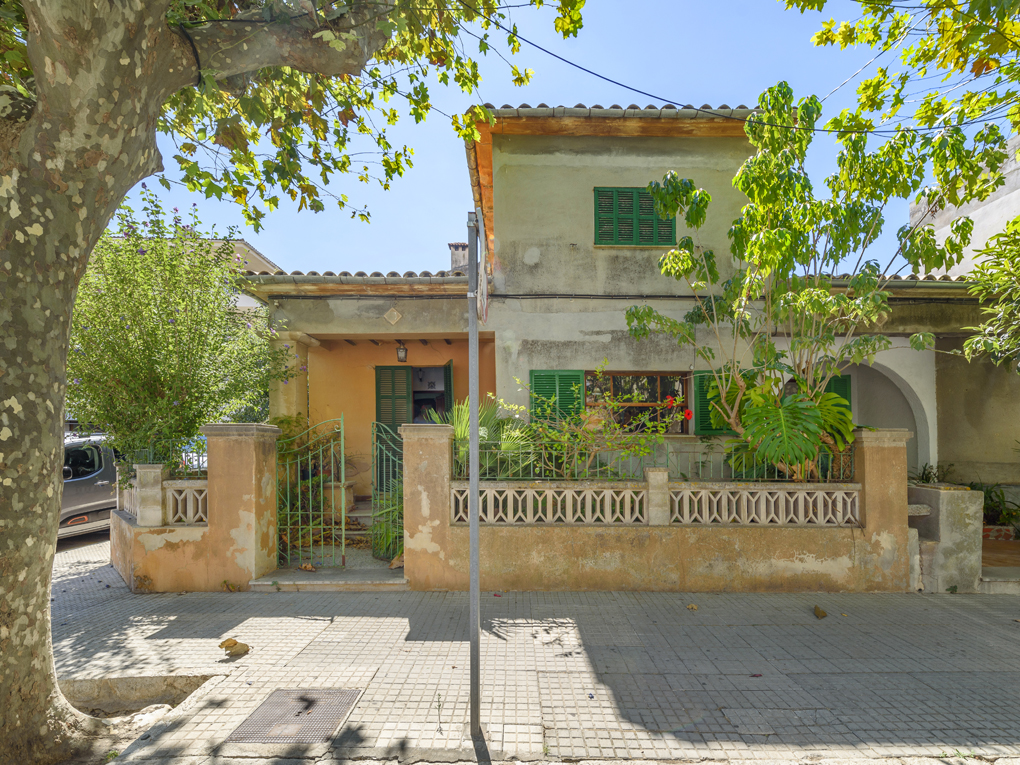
[(459, 256)]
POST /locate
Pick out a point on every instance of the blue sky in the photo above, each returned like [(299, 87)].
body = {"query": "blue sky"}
[(720, 52)]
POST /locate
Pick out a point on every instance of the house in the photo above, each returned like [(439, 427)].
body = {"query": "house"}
[(571, 243)]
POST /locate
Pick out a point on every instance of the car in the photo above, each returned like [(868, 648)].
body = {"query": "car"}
[(90, 486)]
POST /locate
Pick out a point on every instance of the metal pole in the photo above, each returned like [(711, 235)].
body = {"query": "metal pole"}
[(474, 617)]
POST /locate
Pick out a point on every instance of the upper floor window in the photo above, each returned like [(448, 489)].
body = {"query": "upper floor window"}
[(626, 216)]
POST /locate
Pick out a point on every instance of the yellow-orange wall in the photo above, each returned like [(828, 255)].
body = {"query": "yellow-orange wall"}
[(341, 380)]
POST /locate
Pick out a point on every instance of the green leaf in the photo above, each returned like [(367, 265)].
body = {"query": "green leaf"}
[(788, 432)]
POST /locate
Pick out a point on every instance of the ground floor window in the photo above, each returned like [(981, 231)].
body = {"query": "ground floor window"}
[(645, 396)]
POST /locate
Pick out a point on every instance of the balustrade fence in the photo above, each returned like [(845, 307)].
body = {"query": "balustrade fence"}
[(686, 461)]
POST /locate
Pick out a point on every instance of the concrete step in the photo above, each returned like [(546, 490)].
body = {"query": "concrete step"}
[(988, 586), (317, 584)]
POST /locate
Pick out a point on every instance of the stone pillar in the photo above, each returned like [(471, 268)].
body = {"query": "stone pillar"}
[(428, 463), (289, 398), (950, 535), (148, 490), (880, 466), (242, 496), (658, 496)]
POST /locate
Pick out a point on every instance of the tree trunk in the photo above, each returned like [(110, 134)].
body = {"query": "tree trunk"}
[(68, 157)]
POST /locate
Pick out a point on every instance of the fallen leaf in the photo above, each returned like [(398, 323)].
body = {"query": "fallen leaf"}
[(691, 607), (820, 613), (397, 562), (844, 614), (306, 567), (755, 675), (1016, 620), (234, 648), (496, 595)]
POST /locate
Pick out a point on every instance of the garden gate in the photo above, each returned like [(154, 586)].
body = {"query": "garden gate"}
[(311, 482), (387, 492)]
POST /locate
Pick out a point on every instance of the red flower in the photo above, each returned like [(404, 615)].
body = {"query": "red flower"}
[(670, 401), (688, 414)]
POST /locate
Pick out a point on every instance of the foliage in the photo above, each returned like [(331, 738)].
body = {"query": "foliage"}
[(280, 131), (388, 523), (996, 282), (998, 511), (158, 348), (929, 473), (960, 67), (772, 322), (548, 442)]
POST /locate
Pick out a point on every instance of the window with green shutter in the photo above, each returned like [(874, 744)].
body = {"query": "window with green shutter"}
[(627, 216), (558, 392), (393, 396), (840, 386), (702, 409)]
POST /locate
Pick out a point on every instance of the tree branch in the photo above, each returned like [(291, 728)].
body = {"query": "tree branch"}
[(228, 49)]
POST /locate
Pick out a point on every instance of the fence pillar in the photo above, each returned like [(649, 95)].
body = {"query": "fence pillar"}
[(880, 467), (289, 398), (242, 495), (148, 490), (658, 496), (428, 462)]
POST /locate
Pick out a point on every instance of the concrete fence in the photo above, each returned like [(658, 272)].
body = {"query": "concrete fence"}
[(661, 535), (201, 535)]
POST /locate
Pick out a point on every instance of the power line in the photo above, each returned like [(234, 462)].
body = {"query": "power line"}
[(699, 110)]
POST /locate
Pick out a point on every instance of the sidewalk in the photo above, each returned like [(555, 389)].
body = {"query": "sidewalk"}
[(565, 675)]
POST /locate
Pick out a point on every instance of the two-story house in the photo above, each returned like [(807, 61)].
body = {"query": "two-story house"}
[(572, 242)]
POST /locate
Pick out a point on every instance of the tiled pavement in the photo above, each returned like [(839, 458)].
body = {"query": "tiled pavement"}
[(565, 675)]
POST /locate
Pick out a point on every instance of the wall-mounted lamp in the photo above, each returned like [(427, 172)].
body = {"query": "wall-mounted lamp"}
[(421, 374), (401, 352)]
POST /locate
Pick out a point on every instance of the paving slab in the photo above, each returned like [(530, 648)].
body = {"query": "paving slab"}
[(566, 676)]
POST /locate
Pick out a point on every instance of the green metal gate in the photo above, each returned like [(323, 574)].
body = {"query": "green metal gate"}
[(311, 477), (387, 492)]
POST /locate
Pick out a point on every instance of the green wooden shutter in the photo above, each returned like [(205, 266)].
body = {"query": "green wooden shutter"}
[(566, 386), (393, 397), (448, 386), (841, 387), (627, 216), (702, 410)]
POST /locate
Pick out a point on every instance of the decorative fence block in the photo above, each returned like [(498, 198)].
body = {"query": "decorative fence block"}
[(717, 504), (187, 502), (556, 503)]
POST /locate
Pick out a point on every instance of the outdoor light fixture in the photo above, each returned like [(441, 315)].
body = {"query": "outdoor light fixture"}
[(401, 352), (421, 374)]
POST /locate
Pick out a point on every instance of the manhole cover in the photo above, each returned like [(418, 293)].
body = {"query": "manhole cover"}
[(297, 717)]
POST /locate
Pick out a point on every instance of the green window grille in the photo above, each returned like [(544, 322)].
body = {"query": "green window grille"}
[(448, 385), (702, 409), (394, 400), (627, 216), (564, 386)]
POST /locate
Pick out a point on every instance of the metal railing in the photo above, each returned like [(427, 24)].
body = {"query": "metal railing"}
[(387, 492), (685, 461), (184, 457)]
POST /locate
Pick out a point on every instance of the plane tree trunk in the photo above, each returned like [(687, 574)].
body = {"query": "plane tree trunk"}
[(69, 154)]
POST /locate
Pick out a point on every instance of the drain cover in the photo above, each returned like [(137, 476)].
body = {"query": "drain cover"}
[(297, 717)]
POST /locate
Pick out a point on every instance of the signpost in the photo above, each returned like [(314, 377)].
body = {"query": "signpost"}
[(474, 617)]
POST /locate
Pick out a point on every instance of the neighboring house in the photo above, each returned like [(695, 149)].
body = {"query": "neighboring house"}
[(572, 242)]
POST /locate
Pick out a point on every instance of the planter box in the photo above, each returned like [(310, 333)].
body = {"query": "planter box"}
[(1004, 533)]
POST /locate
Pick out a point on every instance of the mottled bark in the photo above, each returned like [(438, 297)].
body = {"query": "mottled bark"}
[(67, 159)]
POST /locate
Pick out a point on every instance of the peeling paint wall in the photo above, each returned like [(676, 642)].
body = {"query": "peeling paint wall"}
[(238, 544), (874, 558)]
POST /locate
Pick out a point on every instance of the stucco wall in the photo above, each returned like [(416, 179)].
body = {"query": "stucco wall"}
[(668, 558), (979, 417), (543, 208), (238, 544)]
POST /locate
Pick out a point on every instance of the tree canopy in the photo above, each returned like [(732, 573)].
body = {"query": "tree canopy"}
[(943, 65), (159, 346)]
